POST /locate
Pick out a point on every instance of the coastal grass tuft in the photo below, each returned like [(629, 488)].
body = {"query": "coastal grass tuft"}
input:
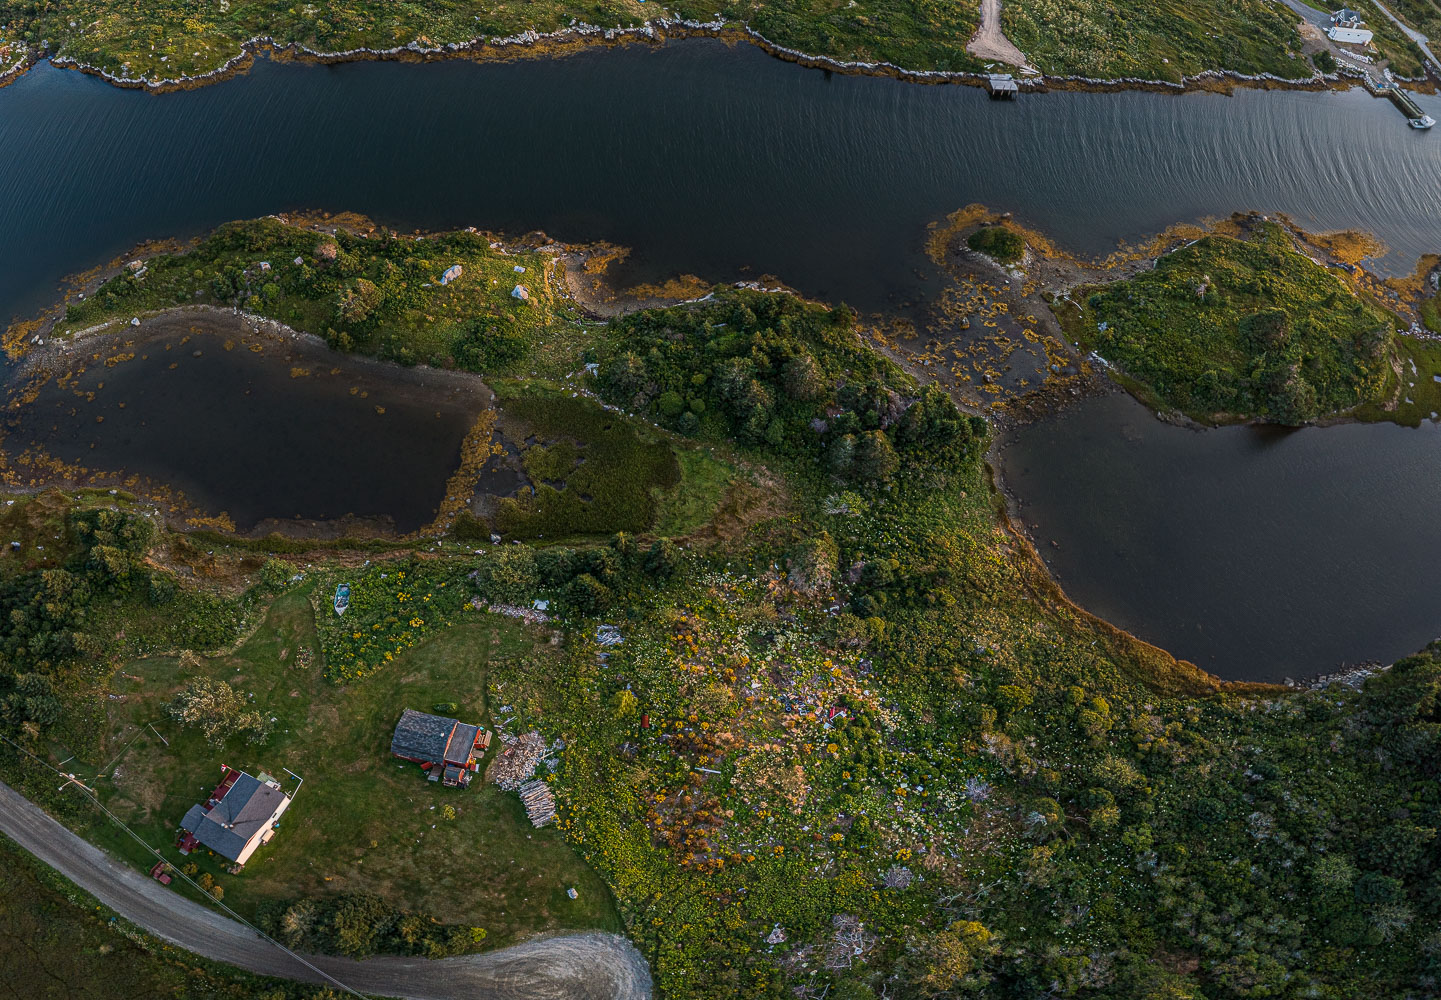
[(1000, 243)]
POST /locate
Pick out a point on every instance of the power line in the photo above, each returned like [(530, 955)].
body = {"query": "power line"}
[(158, 856)]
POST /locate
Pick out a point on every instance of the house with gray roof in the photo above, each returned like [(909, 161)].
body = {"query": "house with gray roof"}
[(445, 748), (241, 814)]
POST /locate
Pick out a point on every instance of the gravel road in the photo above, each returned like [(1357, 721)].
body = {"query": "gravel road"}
[(990, 42), (590, 966)]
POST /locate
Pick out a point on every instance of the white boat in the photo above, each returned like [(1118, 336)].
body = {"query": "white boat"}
[(342, 598), (1425, 121)]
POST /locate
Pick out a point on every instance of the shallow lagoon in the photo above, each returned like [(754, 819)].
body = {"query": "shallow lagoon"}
[(258, 426), (1256, 553)]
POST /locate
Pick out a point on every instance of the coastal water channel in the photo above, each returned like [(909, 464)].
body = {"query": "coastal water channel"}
[(1255, 554), (703, 158)]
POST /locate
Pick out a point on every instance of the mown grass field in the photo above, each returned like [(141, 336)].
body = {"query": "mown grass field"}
[(362, 821)]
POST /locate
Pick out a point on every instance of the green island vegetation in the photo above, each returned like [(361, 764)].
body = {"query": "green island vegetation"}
[(369, 291), (1000, 243), (167, 40), (853, 739), (1228, 328)]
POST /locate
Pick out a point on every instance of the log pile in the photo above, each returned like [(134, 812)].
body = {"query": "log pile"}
[(516, 763), (539, 802)]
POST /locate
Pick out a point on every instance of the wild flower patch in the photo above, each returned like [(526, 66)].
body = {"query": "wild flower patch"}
[(392, 608)]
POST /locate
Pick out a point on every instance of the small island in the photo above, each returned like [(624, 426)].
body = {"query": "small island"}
[(1239, 328)]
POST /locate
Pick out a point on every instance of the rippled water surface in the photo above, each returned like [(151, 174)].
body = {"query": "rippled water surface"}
[(703, 158)]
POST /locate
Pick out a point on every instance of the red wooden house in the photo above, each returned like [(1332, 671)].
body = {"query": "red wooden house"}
[(446, 748)]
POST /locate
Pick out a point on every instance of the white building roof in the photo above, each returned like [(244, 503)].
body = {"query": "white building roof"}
[(1349, 36)]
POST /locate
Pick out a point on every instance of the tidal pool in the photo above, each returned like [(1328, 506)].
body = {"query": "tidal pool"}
[(265, 428)]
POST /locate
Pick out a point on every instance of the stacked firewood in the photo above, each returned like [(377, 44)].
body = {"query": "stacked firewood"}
[(539, 802)]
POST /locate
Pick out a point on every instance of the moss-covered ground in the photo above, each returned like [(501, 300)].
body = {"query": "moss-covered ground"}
[(1239, 328)]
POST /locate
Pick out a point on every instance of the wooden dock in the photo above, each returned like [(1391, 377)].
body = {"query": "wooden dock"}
[(1002, 87), (1403, 101)]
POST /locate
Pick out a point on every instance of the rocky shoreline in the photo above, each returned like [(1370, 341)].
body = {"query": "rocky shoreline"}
[(660, 30)]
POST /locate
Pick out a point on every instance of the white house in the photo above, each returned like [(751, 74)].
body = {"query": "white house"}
[(1350, 36), (240, 815)]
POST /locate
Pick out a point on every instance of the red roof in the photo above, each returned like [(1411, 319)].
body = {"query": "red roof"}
[(231, 776)]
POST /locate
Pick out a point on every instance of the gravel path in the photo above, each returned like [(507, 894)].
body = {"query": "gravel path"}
[(1422, 42), (990, 42), (590, 966)]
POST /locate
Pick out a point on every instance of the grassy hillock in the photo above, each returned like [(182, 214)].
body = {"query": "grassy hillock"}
[(166, 39), (1238, 328), (853, 741), (375, 292), (1001, 243)]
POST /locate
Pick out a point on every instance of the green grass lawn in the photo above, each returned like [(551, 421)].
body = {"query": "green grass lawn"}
[(362, 821)]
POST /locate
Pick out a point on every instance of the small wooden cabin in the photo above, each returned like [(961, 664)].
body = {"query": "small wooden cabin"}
[(446, 748)]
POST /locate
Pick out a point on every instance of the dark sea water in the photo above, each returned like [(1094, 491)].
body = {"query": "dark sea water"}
[(1256, 553), (702, 158)]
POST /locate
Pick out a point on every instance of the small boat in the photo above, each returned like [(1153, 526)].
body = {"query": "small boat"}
[(342, 598), (1425, 121)]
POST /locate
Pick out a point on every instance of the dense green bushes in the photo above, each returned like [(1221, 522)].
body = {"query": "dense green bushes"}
[(782, 376), (999, 242), (1245, 327), (359, 924)]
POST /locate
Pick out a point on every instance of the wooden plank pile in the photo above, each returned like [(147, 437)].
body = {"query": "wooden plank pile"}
[(539, 802), (516, 763)]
